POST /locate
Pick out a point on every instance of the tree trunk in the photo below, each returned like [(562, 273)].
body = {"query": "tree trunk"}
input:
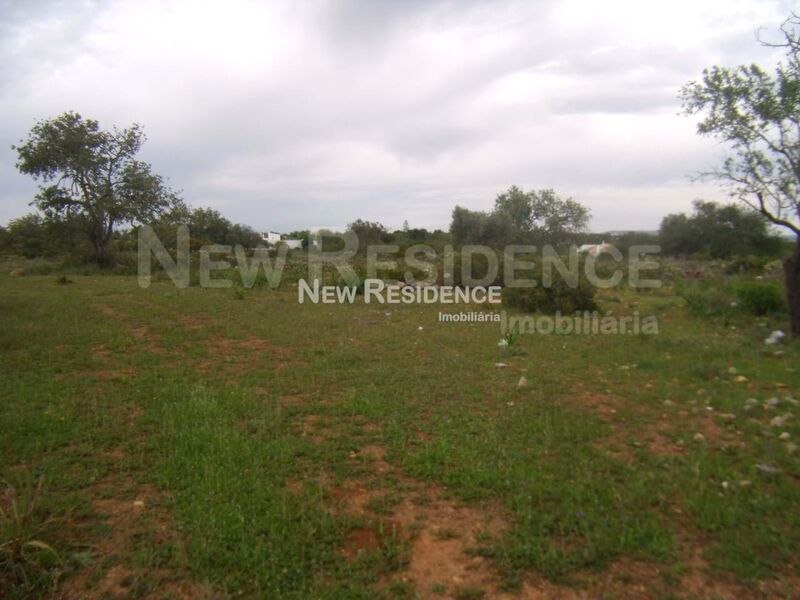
[(100, 255), (791, 270)]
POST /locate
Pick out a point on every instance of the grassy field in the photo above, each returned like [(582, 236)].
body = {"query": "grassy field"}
[(198, 443)]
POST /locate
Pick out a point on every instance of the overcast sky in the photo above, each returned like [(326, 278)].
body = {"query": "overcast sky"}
[(288, 115)]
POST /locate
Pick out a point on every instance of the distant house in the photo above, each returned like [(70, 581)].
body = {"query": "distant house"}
[(594, 249), (271, 237)]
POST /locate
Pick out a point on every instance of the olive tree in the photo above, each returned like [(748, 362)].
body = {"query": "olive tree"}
[(757, 114), (92, 177)]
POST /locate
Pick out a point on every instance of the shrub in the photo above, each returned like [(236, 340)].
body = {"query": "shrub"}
[(746, 264), (706, 300), (352, 281), (558, 297), (760, 298)]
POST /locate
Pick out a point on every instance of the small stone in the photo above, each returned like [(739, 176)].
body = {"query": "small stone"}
[(500, 365), (669, 403), (767, 469), (419, 328), (745, 483), (785, 436), (773, 402), (138, 503), (509, 404), (777, 422), (523, 382), (699, 437), (726, 416), (725, 485), (740, 379), (502, 343), (791, 447), (732, 370), (775, 337)]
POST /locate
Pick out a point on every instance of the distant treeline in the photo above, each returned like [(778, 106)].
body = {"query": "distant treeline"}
[(535, 217)]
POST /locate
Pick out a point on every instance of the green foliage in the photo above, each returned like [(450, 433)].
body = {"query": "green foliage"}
[(756, 114), (560, 296), (24, 555), (541, 216), (533, 217), (718, 231), (352, 281), (759, 299), (751, 265), (369, 233), (92, 177)]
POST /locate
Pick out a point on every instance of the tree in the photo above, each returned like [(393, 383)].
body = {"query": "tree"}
[(92, 177), (720, 231), (758, 115), (369, 233), (541, 216)]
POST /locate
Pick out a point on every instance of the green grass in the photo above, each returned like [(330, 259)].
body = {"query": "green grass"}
[(238, 419)]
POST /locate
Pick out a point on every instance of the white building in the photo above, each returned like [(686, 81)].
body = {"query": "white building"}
[(271, 237), (594, 249)]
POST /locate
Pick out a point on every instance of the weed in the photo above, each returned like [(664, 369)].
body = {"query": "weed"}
[(24, 555)]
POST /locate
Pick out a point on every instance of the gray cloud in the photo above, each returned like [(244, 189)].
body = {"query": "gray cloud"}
[(293, 114)]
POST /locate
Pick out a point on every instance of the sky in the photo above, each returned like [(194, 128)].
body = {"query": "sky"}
[(294, 115)]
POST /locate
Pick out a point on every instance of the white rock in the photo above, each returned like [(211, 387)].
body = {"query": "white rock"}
[(522, 382), (777, 422), (500, 365), (775, 337), (699, 437), (768, 469), (502, 343), (785, 436)]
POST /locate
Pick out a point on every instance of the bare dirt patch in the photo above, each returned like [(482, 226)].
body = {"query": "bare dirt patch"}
[(232, 356), (648, 427), (439, 531), (139, 331), (129, 512), (360, 540)]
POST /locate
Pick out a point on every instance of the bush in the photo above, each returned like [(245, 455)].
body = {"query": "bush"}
[(708, 299), (558, 297), (760, 298), (746, 264)]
